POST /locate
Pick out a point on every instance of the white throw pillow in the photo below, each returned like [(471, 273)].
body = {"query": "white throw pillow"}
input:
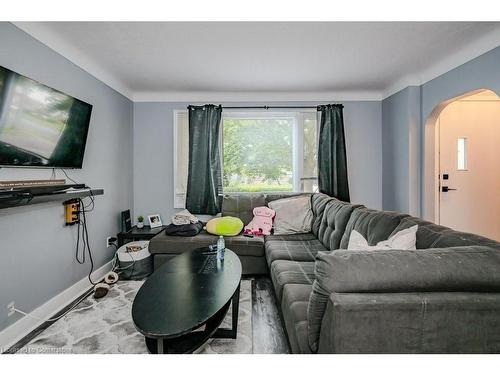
[(293, 215), (405, 239)]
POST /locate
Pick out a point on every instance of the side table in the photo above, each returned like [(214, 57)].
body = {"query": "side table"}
[(136, 234)]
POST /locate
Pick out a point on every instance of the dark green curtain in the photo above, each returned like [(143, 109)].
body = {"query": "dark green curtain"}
[(332, 159), (205, 166)]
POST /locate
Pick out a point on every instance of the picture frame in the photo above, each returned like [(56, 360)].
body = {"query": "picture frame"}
[(154, 221)]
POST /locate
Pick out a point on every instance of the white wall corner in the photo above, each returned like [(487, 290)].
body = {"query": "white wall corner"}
[(42, 32), (479, 47)]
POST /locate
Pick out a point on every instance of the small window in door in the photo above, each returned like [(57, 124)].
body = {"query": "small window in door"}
[(462, 154)]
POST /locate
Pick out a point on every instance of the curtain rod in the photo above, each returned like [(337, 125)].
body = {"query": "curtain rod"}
[(270, 107), (266, 107)]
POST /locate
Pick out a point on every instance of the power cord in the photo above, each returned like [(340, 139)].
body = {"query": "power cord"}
[(120, 270), (82, 231), (58, 317), (69, 178)]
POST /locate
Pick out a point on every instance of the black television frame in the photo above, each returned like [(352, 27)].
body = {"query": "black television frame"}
[(84, 143)]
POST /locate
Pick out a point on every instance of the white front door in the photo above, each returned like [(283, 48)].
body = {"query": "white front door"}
[(469, 139)]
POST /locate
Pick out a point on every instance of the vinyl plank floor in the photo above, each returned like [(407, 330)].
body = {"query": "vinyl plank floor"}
[(268, 334)]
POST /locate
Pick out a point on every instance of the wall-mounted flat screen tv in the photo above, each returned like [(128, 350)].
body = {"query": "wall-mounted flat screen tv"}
[(40, 126)]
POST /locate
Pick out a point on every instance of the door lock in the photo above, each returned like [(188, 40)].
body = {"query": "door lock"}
[(446, 189)]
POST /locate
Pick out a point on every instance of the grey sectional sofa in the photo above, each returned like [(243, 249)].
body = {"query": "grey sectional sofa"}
[(250, 250), (443, 297)]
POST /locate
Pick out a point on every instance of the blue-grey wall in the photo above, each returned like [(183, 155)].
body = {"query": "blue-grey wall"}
[(400, 123), (415, 106), (153, 154), (37, 251), (483, 72)]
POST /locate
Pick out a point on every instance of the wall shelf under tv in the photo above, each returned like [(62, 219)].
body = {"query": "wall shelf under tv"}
[(46, 198)]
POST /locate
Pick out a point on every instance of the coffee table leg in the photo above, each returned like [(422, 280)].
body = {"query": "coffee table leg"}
[(224, 333), (159, 344), (236, 308)]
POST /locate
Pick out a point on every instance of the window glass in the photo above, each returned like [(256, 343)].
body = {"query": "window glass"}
[(462, 154), (258, 154)]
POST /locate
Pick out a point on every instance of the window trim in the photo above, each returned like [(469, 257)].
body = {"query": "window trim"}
[(179, 197)]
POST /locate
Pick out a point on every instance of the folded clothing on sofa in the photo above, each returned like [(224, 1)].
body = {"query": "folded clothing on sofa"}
[(184, 217), (184, 230)]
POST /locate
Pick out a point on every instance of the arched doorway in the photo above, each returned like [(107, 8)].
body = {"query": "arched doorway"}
[(462, 179)]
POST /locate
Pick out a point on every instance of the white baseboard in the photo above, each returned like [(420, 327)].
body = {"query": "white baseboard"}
[(15, 332)]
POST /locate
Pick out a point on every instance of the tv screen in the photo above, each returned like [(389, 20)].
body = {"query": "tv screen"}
[(40, 126)]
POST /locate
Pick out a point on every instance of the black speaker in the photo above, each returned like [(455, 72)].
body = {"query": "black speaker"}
[(126, 222)]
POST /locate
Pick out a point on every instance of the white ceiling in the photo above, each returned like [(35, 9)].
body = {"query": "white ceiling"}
[(198, 61)]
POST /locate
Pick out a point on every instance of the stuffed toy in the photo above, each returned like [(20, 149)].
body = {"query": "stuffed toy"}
[(224, 226), (262, 222)]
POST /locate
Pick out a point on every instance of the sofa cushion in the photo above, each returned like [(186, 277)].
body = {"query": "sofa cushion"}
[(241, 245), (430, 235), (270, 197), (336, 215), (294, 308), (285, 272), (374, 225), (241, 205), (293, 215), (404, 239), (451, 269), (291, 237), (454, 238), (318, 301), (318, 204), (293, 250)]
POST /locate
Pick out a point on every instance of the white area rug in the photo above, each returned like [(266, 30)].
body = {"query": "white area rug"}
[(105, 326)]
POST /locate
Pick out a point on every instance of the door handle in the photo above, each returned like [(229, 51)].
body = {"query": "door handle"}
[(446, 189)]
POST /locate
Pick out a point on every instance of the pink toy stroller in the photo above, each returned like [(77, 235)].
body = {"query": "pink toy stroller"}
[(262, 222)]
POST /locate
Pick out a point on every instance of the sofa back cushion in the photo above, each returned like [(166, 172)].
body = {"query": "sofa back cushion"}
[(318, 205), (449, 269), (430, 235), (374, 225), (241, 205), (275, 196), (334, 220)]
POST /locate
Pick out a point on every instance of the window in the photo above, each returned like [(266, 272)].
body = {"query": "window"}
[(262, 151), (462, 154)]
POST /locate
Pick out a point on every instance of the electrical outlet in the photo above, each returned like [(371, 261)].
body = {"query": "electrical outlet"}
[(11, 308), (110, 241)]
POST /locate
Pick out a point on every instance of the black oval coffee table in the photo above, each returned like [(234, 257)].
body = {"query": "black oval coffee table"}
[(182, 304)]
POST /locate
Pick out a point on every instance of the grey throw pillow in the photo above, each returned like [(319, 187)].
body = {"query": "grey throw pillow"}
[(293, 215)]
